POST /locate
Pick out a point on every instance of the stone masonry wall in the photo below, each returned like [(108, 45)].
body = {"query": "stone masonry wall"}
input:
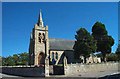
[(24, 71), (82, 68)]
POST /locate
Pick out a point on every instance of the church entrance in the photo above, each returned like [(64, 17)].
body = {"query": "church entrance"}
[(41, 59)]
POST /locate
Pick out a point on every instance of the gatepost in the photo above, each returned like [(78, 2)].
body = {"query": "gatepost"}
[(65, 65), (46, 66)]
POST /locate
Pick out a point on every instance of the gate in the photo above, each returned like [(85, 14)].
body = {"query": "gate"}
[(58, 70)]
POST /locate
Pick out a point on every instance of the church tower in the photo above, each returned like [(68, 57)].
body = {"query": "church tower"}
[(39, 45)]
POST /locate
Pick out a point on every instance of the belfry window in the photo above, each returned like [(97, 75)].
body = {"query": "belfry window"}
[(39, 38), (43, 39), (39, 34)]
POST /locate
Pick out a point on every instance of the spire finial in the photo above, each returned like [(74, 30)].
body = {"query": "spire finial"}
[(40, 12), (40, 21)]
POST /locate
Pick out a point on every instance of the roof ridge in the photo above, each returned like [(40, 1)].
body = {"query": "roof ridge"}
[(61, 39)]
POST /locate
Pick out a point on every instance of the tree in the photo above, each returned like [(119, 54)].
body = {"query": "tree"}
[(8, 61), (111, 57), (84, 44), (23, 57), (104, 41), (118, 52), (15, 58), (4, 61)]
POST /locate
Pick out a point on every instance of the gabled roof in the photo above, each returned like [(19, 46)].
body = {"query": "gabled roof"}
[(61, 44)]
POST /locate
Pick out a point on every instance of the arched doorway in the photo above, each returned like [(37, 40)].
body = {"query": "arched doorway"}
[(41, 59)]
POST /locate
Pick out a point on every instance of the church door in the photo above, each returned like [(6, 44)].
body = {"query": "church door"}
[(41, 59)]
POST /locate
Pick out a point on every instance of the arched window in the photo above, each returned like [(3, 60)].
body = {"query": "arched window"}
[(39, 34), (39, 37), (53, 60), (56, 55), (52, 55), (43, 39), (43, 36)]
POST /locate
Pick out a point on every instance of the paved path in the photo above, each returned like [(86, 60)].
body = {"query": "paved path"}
[(89, 74), (5, 75), (82, 75), (94, 74)]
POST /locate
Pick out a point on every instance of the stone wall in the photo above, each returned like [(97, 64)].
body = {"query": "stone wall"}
[(24, 71), (83, 68)]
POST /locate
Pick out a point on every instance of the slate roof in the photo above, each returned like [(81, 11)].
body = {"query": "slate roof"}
[(61, 44)]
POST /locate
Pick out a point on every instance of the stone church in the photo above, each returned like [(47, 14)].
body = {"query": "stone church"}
[(42, 47)]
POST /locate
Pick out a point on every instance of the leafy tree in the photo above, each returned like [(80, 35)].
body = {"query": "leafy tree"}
[(104, 41), (3, 61), (84, 44), (118, 52), (15, 58), (23, 58), (9, 61), (111, 57)]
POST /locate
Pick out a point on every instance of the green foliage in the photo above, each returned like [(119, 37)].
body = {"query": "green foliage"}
[(16, 59), (118, 52), (8, 61), (24, 58), (99, 29), (104, 41), (84, 44), (111, 57)]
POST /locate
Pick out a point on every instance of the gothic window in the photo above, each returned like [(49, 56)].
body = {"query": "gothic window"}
[(52, 55), (43, 39), (56, 55), (39, 37), (53, 60), (39, 34)]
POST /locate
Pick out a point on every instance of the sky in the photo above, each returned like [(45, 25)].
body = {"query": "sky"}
[(62, 18)]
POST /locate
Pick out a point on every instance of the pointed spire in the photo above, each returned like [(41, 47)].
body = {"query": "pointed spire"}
[(40, 21), (31, 36)]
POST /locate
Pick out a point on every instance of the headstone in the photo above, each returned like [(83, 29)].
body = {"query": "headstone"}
[(95, 59), (87, 60), (99, 60), (91, 59), (82, 58)]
